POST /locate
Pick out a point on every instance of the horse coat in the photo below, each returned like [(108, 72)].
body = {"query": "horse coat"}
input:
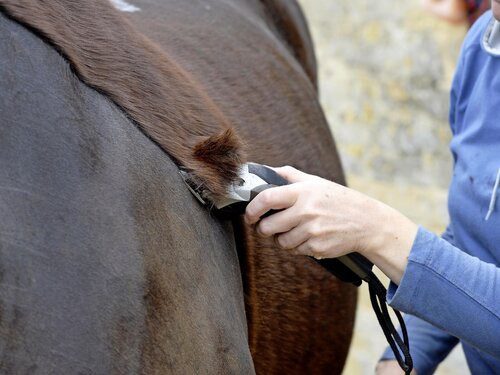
[(108, 265)]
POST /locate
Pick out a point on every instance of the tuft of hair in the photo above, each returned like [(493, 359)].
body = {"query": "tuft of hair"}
[(218, 161)]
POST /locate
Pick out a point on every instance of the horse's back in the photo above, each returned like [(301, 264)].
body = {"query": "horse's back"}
[(108, 265)]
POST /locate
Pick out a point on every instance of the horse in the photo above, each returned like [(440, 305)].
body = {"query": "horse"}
[(107, 263)]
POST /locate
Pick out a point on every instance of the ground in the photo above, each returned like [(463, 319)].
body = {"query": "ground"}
[(385, 70)]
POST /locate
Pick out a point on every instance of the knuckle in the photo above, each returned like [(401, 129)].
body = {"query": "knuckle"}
[(283, 242), (312, 201), (317, 252), (304, 249), (313, 230), (264, 228), (306, 209), (249, 212), (314, 205), (307, 215), (266, 197)]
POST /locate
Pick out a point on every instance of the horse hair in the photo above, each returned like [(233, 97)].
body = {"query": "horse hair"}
[(164, 101)]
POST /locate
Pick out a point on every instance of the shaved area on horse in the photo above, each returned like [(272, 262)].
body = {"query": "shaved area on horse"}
[(214, 84), (124, 6)]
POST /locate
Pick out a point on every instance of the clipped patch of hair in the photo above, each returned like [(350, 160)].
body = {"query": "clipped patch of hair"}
[(220, 157)]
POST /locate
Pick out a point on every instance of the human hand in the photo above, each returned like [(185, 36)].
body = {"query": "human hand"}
[(319, 218), (390, 367), (454, 11), (325, 220)]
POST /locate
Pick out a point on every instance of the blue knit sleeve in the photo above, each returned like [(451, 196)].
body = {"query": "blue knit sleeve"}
[(429, 345), (452, 290)]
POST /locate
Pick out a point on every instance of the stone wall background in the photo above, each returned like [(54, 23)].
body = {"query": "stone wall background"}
[(385, 72)]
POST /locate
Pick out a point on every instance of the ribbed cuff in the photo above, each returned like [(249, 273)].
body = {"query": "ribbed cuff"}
[(401, 297), (430, 344)]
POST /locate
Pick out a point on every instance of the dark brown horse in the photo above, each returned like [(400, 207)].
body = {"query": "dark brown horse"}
[(107, 264)]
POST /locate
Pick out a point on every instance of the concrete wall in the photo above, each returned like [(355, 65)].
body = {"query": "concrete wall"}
[(385, 72)]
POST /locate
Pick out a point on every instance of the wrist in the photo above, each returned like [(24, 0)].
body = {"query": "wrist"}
[(391, 242)]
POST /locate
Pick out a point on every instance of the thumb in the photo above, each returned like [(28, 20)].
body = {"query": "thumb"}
[(292, 175)]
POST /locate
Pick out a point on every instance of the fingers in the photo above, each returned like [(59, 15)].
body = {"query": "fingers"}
[(292, 175), (304, 249), (318, 248), (279, 222), (293, 238), (390, 367), (312, 248), (277, 198)]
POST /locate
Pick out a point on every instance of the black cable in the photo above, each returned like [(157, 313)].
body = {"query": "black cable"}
[(398, 345), (378, 294)]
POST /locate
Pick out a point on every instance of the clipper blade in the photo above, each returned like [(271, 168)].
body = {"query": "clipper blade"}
[(239, 191), (195, 188)]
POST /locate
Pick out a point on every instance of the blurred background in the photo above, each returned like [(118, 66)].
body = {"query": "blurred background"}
[(385, 70)]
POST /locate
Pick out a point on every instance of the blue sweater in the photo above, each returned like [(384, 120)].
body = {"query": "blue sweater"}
[(451, 286)]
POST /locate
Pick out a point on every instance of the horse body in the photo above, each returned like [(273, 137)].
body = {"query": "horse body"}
[(108, 263), (252, 72)]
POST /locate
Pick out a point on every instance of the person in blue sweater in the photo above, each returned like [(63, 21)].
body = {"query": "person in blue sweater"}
[(449, 286)]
